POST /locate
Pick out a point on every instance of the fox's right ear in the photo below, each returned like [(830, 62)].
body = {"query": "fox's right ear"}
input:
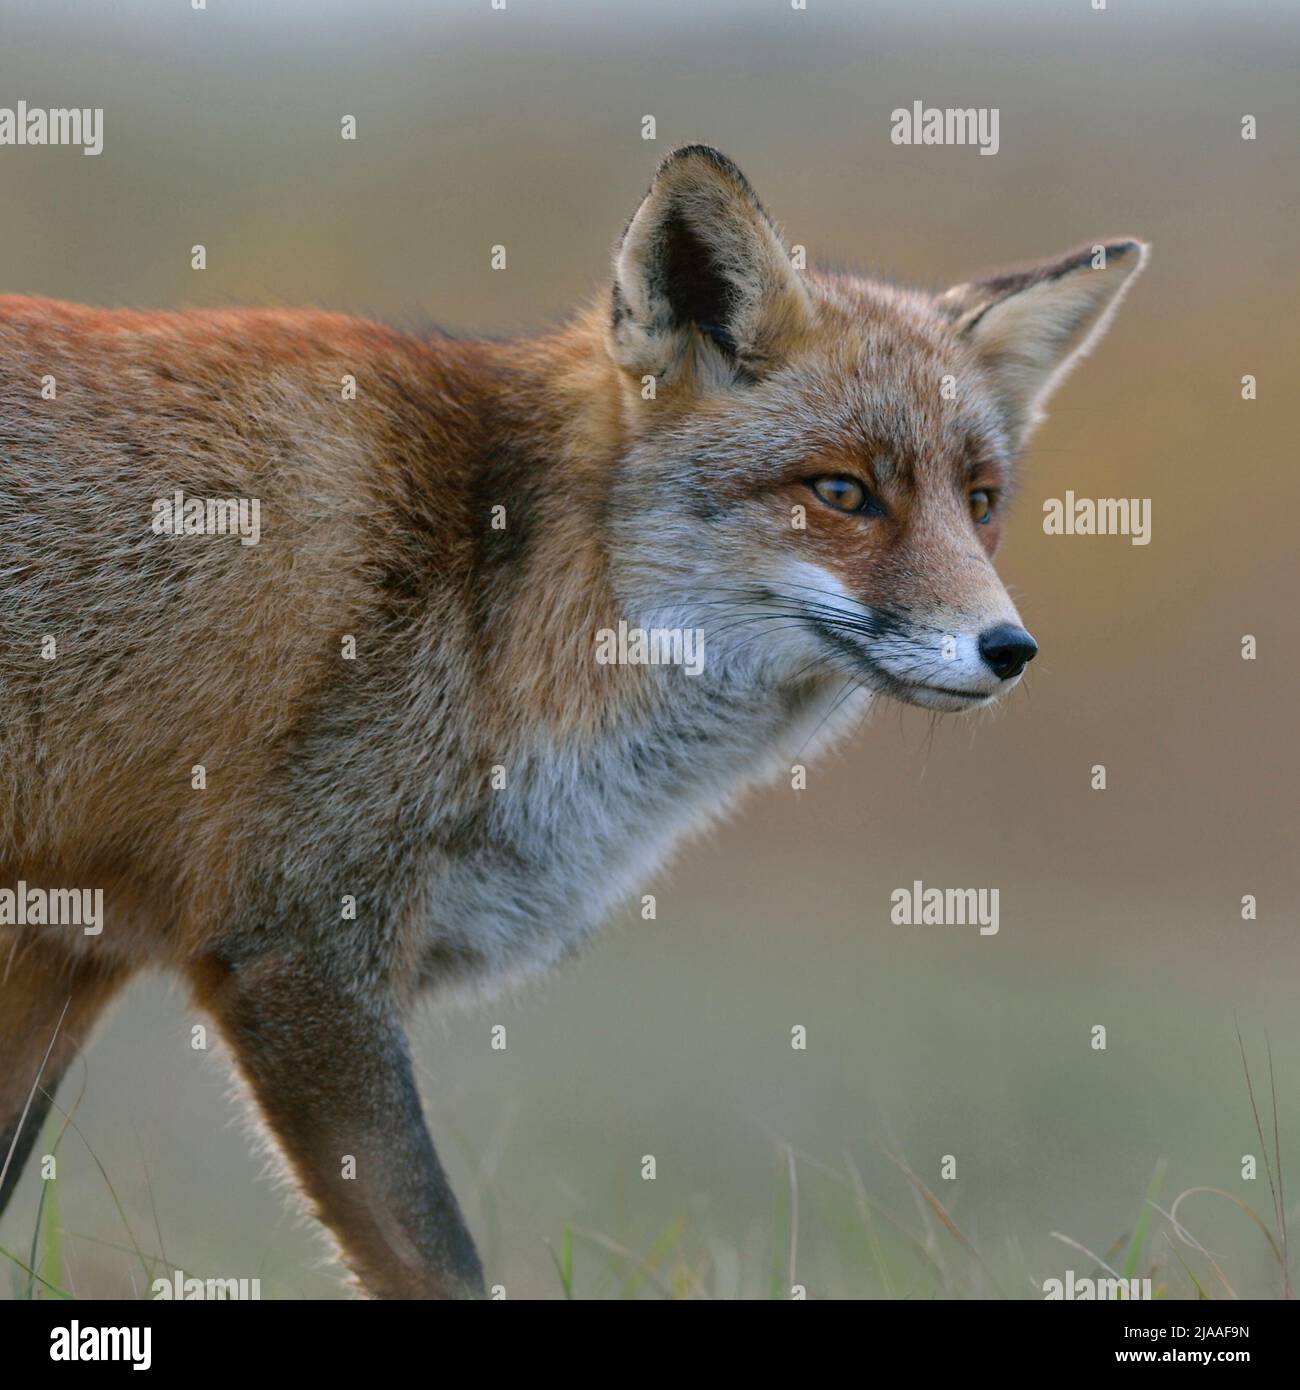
[(702, 283)]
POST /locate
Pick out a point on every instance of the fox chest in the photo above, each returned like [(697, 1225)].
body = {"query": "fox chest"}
[(572, 834)]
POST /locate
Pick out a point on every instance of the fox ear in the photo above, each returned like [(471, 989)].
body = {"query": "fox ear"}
[(1030, 327), (702, 282)]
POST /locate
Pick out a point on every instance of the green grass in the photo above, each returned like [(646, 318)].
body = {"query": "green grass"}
[(879, 1247)]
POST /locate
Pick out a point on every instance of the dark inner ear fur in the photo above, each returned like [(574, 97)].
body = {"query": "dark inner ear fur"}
[(689, 280), (992, 289)]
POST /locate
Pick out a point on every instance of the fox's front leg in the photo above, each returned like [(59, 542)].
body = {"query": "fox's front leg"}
[(331, 1073), (48, 1005)]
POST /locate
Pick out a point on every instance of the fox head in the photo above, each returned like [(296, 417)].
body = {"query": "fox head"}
[(820, 464)]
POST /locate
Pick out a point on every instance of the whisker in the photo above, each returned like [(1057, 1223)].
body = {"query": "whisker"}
[(844, 693)]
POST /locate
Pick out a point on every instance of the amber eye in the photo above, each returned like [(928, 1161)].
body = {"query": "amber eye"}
[(846, 495), (981, 507)]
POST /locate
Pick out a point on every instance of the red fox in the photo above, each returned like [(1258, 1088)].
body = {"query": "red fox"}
[(343, 667)]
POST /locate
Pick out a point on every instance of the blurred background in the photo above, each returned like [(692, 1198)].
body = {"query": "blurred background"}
[(1119, 907)]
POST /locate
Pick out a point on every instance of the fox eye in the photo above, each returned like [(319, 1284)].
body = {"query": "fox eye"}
[(981, 507), (846, 495)]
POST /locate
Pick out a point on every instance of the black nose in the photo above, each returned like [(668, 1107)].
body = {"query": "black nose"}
[(1006, 648)]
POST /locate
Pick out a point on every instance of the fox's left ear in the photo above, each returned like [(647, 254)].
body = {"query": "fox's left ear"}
[(703, 286), (1030, 327)]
